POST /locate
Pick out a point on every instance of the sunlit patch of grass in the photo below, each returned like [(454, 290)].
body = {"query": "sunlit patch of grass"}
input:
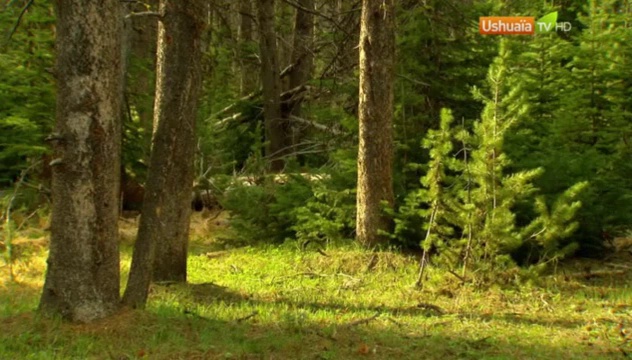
[(342, 303)]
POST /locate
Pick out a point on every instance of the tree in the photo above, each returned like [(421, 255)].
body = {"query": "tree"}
[(82, 279), (274, 126), (247, 83), (164, 223), (302, 54), (375, 109)]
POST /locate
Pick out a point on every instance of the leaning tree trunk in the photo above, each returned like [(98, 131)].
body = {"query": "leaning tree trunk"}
[(164, 224), (276, 136), (82, 279), (375, 153)]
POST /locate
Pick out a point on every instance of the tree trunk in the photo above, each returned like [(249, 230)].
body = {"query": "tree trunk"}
[(247, 83), (302, 57), (164, 224), (140, 86), (82, 279), (274, 127), (375, 111)]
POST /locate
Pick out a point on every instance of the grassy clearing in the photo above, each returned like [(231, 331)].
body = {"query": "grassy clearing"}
[(282, 303)]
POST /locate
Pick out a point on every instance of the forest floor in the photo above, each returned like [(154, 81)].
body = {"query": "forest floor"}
[(267, 302)]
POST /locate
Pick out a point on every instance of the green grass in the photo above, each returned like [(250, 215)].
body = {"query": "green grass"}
[(281, 303)]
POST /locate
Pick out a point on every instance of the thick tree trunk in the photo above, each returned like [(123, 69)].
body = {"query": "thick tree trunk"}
[(302, 57), (276, 136), (164, 224), (82, 279), (375, 110)]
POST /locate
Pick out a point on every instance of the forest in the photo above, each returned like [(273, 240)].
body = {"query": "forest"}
[(315, 179)]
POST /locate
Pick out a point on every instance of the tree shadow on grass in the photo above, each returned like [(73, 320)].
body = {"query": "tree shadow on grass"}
[(209, 293), (176, 331), (167, 333)]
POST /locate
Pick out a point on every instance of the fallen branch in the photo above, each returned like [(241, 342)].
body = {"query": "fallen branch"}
[(249, 316), (428, 306), (361, 321)]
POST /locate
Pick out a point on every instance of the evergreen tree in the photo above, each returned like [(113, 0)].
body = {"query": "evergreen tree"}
[(27, 100)]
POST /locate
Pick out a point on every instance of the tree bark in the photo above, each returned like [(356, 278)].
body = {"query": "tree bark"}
[(160, 252), (375, 110), (275, 133), (82, 279)]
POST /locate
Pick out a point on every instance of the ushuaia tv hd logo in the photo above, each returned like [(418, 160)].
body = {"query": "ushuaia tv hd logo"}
[(521, 25)]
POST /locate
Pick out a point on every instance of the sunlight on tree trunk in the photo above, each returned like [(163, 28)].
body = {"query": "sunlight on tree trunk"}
[(375, 110), (82, 280), (164, 224)]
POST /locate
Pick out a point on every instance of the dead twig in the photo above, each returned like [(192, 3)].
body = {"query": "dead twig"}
[(371, 265), (322, 252), (461, 278)]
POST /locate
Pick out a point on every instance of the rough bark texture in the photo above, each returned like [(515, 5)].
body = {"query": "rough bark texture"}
[(164, 224), (82, 279), (375, 111), (274, 130), (302, 56)]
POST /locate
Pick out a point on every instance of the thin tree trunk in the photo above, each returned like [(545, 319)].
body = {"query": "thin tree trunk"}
[(141, 82), (247, 83), (274, 130), (302, 57), (82, 279), (164, 224), (375, 152)]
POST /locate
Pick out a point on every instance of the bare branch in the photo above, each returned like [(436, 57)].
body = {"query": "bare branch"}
[(316, 13)]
